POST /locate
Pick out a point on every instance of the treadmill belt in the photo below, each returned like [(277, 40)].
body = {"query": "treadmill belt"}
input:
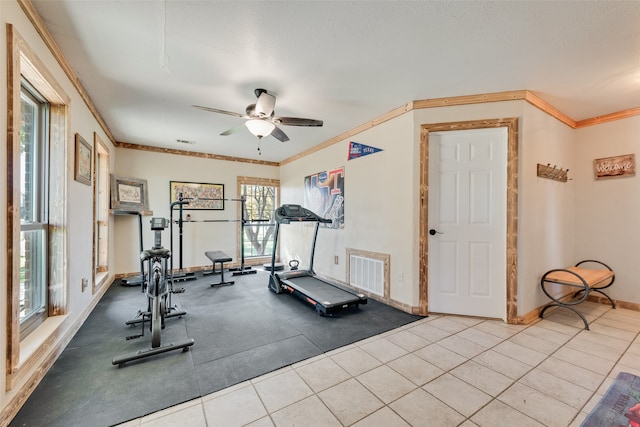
[(322, 291)]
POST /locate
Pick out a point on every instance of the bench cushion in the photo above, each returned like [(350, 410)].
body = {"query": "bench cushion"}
[(592, 277), (217, 256)]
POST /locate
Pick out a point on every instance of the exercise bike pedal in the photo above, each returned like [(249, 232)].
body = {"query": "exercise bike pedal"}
[(142, 316)]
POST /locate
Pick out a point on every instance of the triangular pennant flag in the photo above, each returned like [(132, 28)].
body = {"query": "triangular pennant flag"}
[(360, 150)]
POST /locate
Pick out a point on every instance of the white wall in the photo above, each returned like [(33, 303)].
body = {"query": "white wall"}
[(159, 169), (378, 206), (382, 197), (608, 210), (546, 208)]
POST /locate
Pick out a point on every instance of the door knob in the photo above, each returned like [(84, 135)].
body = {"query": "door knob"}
[(433, 232)]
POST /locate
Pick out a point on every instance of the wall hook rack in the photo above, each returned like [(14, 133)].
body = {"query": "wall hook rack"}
[(553, 172)]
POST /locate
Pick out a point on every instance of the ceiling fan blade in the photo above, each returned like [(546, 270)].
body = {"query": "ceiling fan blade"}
[(279, 135), (264, 106), (234, 129), (297, 121), (215, 110)]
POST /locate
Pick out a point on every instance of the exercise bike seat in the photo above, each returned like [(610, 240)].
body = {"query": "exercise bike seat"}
[(155, 253)]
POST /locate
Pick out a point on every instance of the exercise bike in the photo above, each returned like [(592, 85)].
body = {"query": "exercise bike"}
[(168, 309), (157, 292)]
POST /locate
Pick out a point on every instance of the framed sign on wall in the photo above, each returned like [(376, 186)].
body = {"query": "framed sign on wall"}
[(617, 166)]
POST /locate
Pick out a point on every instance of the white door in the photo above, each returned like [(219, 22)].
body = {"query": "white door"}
[(467, 222)]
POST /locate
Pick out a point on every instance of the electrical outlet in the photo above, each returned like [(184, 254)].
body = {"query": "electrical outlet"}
[(335, 259), (85, 283)]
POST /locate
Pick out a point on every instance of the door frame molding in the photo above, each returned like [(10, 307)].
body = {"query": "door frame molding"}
[(512, 207)]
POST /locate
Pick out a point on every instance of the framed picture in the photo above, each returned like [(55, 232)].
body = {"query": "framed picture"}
[(83, 163), (201, 196), (129, 194)]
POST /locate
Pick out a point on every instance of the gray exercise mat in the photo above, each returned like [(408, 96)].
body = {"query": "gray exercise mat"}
[(240, 332)]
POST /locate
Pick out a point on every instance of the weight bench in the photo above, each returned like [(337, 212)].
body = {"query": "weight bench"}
[(218, 257), (583, 279)]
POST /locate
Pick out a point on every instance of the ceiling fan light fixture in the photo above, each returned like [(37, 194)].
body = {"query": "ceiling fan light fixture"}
[(260, 128)]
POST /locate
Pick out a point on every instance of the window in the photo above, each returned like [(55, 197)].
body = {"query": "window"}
[(101, 198), (34, 119), (261, 199), (36, 218)]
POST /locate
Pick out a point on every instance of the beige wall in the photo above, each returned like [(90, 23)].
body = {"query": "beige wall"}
[(159, 169), (379, 201), (607, 216), (558, 223), (382, 197), (546, 208)]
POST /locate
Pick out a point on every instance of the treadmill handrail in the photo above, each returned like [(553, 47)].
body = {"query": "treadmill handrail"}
[(287, 213)]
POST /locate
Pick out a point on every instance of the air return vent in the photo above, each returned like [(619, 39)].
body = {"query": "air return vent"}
[(367, 274)]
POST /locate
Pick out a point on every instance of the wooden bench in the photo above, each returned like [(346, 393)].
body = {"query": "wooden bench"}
[(584, 279), (218, 257)]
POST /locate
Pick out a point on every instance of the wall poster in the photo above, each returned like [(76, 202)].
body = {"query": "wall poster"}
[(324, 195)]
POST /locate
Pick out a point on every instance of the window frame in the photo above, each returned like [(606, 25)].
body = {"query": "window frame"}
[(267, 182), (22, 358), (38, 220), (101, 188)]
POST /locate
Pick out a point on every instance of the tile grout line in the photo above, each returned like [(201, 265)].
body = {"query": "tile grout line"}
[(515, 380), (416, 387), (494, 398), (466, 327), (610, 370)]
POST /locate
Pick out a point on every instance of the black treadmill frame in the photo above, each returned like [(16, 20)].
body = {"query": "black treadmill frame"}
[(285, 281)]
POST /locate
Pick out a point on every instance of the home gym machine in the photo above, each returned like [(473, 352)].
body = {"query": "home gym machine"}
[(170, 310), (180, 275), (327, 297), (237, 271), (158, 299)]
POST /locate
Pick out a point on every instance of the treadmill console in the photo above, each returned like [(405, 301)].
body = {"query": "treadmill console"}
[(287, 213)]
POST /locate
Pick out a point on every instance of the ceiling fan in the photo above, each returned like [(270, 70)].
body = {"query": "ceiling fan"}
[(261, 118)]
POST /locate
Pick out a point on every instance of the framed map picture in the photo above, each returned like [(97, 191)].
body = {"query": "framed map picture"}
[(200, 195), (129, 194)]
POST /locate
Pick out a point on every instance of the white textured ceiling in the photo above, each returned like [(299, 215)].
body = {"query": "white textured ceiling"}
[(144, 63)]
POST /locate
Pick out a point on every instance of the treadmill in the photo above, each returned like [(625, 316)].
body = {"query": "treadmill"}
[(327, 297)]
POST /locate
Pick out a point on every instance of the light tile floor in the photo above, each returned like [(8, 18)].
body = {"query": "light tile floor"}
[(438, 371)]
